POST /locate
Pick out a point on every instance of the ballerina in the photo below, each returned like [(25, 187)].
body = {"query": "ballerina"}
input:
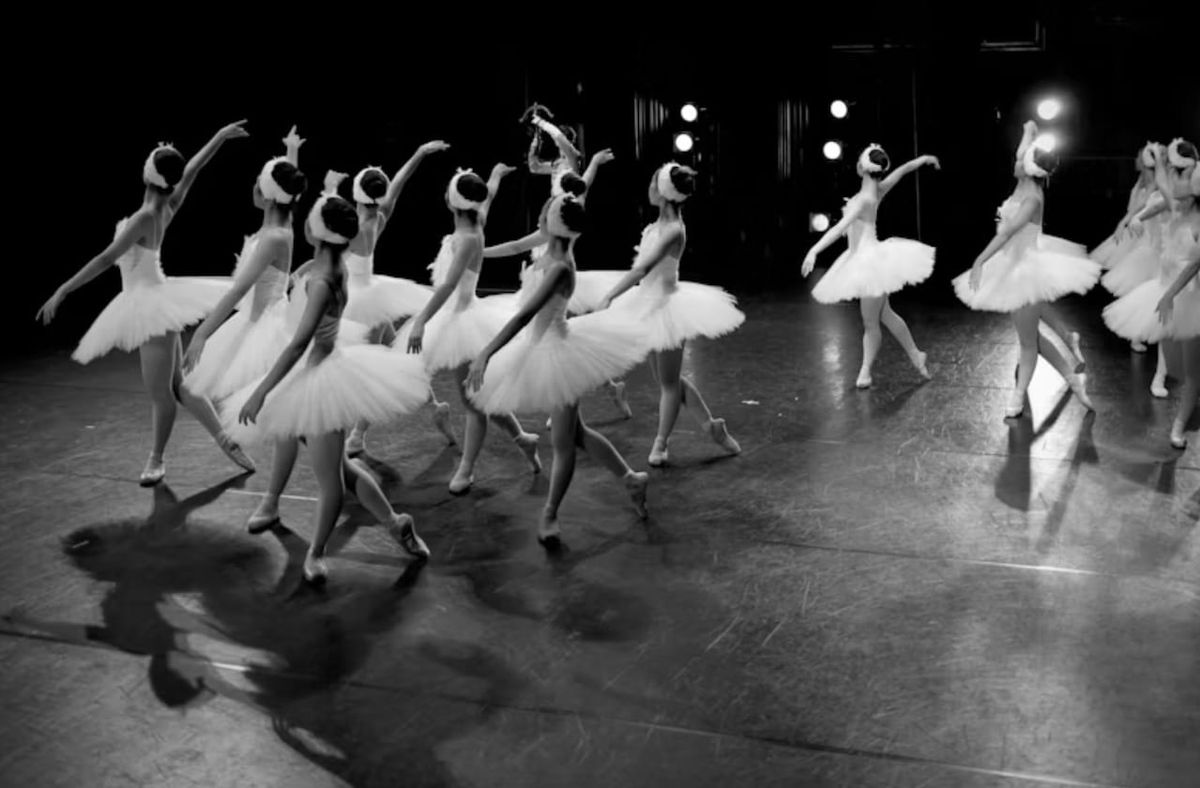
[(1016, 274), (226, 354), (670, 312), (151, 309), (317, 389), (543, 361), (1167, 307), (457, 334), (870, 270)]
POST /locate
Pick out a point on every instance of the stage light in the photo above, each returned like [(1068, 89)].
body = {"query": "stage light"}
[(832, 150), (1047, 141), (689, 113), (819, 222), (684, 142), (1048, 109), (838, 109)]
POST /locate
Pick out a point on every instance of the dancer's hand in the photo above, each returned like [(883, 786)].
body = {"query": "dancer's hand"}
[(810, 260), (976, 276), (191, 356), (293, 140), (433, 146), (333, 179), (603, 157), (233, 131), (934, 162), (502, 169), (416, 337), (1165, 308), (250, 410), (475, 373), (48, 310), (1031, 126), (605, 303)]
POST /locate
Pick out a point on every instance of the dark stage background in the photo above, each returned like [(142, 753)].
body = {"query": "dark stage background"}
[(918, 81)]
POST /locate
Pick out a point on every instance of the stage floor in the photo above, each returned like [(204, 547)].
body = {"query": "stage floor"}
[(888, 587)]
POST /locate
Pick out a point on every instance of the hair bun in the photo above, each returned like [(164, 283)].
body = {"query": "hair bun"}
[(340, 216), (472, 187), (684, 179), (170, 165), (290, 178), (572, 184)]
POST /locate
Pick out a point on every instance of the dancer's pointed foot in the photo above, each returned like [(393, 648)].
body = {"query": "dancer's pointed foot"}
[(1016, 405), (528, 443), (1178, 440), (235, 453), (356, 443), (1078, 384), (549, 535), (264, 517), (658, 453), (441, 420), (315, 571), (404, 530), (1077, 349), (1137, 347), (153, 473), (616, 390), (721, 436), (636, 483), (918, 361), (461, 483), (864, 379), (1158, 387)]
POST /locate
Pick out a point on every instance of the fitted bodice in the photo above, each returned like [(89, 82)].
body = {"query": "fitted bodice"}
[(665, 275), (325, 336), (439, 269), (553, 314), (1027, 236), (268, 289), (359, 268), (1179, 248), (139, 266)]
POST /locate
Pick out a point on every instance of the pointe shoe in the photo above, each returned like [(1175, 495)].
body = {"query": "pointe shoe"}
[(1137, 347), (262, 520), (918, 361), (1078, 384), (864, 380), (355, 444), (1158, 388), (548, 422), (153, 473), (315, 571), (636, 483), (617, 392), (404, 530), (549, 535), (1077, 349), (1016, 407), (235, 453), (658, 454), (528, 443), (441, 420), (1178, 440), (721, 436), (460, 486)]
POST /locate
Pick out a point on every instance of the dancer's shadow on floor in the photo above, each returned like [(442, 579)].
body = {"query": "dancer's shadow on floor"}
[(1013, 484)]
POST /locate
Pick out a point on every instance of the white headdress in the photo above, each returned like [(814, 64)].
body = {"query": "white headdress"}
[(1149, 156), (457, 200), (554, 221), (360, 195), (316, 222), (150, 173), (1196, 181), (1029, 162), (270, 187), (1177, 159), (664, 184), (864, 159)]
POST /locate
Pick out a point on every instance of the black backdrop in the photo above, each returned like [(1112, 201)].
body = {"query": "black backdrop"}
[(915, 77)]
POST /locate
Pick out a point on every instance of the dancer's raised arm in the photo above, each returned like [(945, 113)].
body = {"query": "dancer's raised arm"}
[(203, 157)]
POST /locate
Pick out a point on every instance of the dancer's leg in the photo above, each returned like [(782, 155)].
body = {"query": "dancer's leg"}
[(1052, 317), (872, 338), (326, 453), (1158, 386), (899, 329), (267, 513), (157, 357), (1190, 348), (401, 526), (600, 448), (563, 438), (382, 334), (1026, 321), (202, 408), (667, 365)]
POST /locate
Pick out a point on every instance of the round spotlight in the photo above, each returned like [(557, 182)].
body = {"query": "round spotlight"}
[(832, 150), (819, 222), (1047, 141), (684, 142), (838, 109), (689, 113), (1049, 109)]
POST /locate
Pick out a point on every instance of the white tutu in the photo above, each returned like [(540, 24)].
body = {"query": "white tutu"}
[(688, 310), (240, 351), (352, 383), (1132, 265), (590, 289), (457, 334), (1103, 253), (1024, 272), (385, 299), (1134, 315), (871, 268), (350, 332)]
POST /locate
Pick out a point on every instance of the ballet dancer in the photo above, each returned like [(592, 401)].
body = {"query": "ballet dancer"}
[(1167, 307), (226, 353), (317, 389), (543, 361), (451, 338), (870, 270), (152, 309), (670, 312), (1017, 275)]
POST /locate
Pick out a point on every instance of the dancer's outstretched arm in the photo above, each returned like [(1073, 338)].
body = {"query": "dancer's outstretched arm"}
[(1004, 232), (319, 293), (139, 225), (1028, 135), (292, 143), (644, 265), (268, 249), (550, 285), (467, 247), (519, 246), (388, 204), (498, 172), (851, 212), (203, 157), (538, 166), (603, 157), (888, 183), (565, 148)]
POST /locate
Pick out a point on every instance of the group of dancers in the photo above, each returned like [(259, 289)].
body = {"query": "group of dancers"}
[(311, 355), (318, 354), (1152, 262)]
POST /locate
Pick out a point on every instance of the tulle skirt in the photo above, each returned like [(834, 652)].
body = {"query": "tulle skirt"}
[(240, 351), (542, 373), (590, 289), (146, 311), (874, 269), (1017, 277), (1131, 266), (385, 300), (666, 318), (1134, 316), (454, 337), (353, 382)]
